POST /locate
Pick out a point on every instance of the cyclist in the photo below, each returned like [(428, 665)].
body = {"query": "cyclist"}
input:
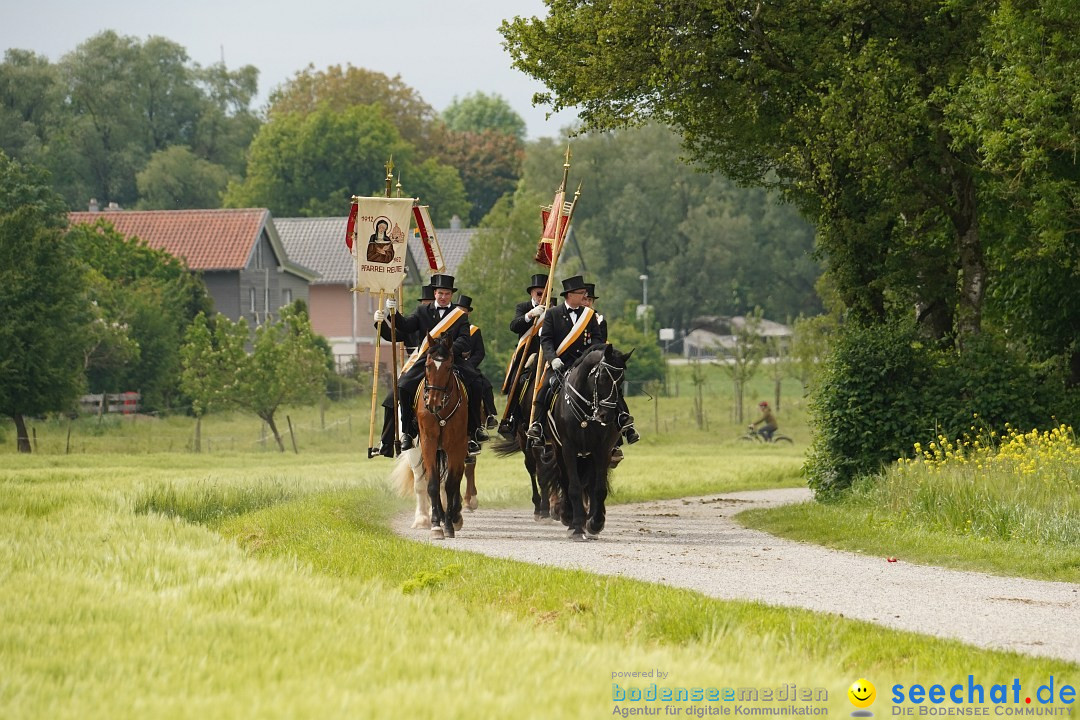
[(767, 422)]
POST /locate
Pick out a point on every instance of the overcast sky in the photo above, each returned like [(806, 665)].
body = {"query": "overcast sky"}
[(441, 48)]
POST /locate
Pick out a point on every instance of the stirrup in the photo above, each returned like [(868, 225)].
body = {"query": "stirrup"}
[(480, 435), (474, 447), (406, 442), (535, 433), (492, 422)]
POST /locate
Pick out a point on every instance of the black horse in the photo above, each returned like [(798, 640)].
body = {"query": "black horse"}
[(585, 429), (543, 485)]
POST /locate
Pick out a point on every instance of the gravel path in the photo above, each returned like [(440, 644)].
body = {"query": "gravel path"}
[(694, 543)]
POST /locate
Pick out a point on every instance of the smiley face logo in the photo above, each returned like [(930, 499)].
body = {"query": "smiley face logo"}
[(862, 693)]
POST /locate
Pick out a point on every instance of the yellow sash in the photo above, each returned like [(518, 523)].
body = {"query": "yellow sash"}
[(473, 329), (575, 332), (518, 350), (443, 326)]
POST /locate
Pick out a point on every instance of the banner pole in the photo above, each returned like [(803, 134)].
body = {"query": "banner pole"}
[(556, 250), (375, 383)]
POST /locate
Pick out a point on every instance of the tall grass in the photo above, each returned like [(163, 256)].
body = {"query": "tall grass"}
[(1017, 486), (1008, 504)]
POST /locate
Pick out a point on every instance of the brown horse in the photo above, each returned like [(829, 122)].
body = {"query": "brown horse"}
[(443, 416)]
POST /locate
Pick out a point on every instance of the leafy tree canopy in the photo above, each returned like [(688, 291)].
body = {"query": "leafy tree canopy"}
[(479, 111), (177, 179), (339, 89), (311, 164), (886, 124), (42, 299)]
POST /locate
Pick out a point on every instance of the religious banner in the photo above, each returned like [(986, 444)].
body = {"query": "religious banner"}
[(425, 230), (376, 236)]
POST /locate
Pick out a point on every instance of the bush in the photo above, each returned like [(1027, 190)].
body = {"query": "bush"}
[(882, 390), (867, 407)]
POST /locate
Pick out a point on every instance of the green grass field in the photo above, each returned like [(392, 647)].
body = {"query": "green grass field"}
[(1008, 505), (244, 582)]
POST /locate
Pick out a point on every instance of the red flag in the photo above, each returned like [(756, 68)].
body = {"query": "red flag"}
[(426, 230), (350, 230), (554, 229)]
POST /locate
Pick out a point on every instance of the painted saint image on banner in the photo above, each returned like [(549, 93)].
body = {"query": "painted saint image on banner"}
[(380, 248)]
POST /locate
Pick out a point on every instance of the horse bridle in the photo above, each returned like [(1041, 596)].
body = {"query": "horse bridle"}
[(585, 410), (456, 383)]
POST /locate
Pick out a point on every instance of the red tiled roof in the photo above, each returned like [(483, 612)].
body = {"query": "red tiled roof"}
[(206, 239)]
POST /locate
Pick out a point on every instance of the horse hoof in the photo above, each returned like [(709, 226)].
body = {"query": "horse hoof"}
[(578, 537), (449, 530), (436, 533), (457, 524), (471, 503)]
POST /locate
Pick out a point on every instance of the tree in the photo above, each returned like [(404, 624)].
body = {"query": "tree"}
[(479, 112), (143, 301), (338, 90), (176, 179), (489, 163), (208, 359), (742, 358), (311, 164), (30, 101), (845, 108), (496, 271), (286, 365), (96, 117), (41, 298)]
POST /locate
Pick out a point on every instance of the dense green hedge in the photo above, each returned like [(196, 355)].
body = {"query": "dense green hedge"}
[(881, 390)]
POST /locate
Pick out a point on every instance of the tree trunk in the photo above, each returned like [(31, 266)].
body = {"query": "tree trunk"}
[(198, 433), (972, 262), (22, 439), (273, 428)]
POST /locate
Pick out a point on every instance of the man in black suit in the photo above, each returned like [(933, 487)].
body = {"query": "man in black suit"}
[(525, 317), (568, 331), (411, 342), (626, 420), (476, 356), (441, 317)]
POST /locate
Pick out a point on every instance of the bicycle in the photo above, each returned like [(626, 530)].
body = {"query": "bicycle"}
[(753, 435)]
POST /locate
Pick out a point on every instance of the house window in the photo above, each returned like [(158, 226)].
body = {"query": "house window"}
[(258, 254), (251, 297), (286, 296)]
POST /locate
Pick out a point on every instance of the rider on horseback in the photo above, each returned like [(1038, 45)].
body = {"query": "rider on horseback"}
[(437, 319), (568, 331), (474, 357), (626, 421)]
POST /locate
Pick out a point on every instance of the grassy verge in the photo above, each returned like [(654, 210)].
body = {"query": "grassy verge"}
[(186, 586), (1006, 505)]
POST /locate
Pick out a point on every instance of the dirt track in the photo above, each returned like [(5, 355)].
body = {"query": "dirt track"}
[(694, 543)]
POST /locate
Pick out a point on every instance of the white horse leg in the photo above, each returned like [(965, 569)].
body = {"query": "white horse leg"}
[(422, 515)]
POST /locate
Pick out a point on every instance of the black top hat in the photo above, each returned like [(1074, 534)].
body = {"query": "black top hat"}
[(443, 282), (426, 293), (571, 284), (464, 301), (590, 288), (538, 281)]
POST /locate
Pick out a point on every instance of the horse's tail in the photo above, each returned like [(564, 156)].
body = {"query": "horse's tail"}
[(504, 446), (401, 477)]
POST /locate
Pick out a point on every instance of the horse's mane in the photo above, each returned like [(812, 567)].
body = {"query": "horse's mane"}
[(440, 350), (585, 356)]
